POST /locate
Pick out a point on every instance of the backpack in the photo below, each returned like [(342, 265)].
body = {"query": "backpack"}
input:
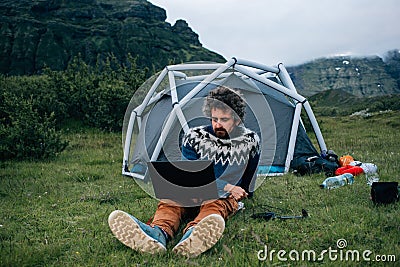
[(384, 192), (315, 164)]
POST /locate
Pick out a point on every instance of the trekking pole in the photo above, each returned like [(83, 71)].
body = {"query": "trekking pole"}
[(304, 214), (272, 215)]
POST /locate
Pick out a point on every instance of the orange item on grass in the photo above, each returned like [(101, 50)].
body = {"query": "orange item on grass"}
[(345, 160), (354, 170)]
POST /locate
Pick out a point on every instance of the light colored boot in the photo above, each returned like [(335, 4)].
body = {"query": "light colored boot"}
[(135, 234), (201, 237)]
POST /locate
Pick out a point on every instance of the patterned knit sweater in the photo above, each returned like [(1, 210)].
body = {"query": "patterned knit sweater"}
[(235, 159)]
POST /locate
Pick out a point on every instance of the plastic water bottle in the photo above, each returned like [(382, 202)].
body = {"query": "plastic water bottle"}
[(337, 181), (371, 178), (371, 173)]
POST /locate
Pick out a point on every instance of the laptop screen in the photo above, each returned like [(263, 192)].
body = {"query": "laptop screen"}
[(187, 182)]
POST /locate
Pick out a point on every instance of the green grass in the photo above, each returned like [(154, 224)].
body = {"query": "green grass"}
[(55, 213)]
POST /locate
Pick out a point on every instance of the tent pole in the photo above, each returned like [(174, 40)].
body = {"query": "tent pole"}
[(270, 83), (287, 81), (172, 86), (285, 77), (150, 93), (189, 96), (128, 139), (315, 126), (293, 136), (193, 66), (199, 77), (136, 114), (208, 79), (257, 66), (163, 134), (175, 101)]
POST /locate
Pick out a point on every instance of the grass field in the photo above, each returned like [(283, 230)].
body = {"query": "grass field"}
[(55, 213)]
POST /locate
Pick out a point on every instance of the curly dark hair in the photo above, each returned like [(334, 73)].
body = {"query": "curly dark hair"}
[(224, 98)]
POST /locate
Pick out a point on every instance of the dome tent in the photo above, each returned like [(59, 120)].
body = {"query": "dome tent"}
[(171, 103)]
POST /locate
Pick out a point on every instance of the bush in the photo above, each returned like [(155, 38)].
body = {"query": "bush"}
[(45, 99), (33, 107), (25, 133), (98, 95)]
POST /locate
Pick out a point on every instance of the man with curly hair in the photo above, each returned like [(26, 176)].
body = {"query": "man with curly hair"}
[(235, 152)]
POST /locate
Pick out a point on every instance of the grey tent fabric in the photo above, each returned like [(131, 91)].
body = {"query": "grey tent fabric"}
[(170, 102), (268, 113)]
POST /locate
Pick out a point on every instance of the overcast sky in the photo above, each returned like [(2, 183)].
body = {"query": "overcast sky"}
[(290, 31)]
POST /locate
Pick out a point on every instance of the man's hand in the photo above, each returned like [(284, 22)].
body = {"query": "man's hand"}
[(237, 192)]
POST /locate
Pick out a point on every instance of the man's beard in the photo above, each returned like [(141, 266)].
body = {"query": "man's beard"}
[(221, 133)]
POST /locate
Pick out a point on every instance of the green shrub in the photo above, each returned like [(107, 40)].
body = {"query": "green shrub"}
[(113, 86), (32, 108), (39, 88), (97, 95), (25, 133)]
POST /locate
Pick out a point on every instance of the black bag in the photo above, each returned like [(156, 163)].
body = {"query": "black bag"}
[(307, 165), (384, 192)]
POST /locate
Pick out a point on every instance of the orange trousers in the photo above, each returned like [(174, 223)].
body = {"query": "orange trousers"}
[(169, 215)]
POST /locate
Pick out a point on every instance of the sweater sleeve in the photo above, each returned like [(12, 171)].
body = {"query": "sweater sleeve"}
[(188, 153), (250, 175)]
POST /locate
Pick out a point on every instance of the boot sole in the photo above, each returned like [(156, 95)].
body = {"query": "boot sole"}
[(204, 236), (128, 231)]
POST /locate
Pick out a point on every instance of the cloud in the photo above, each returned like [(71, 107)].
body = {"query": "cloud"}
[(290, 31)]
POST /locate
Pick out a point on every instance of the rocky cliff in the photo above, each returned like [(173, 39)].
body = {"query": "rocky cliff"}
[(50, 33), (369, 76), (40, 33)]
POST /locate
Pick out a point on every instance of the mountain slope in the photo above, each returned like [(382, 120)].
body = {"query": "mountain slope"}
[(35, 34), (358, 76), (50, 33), (336, 102)]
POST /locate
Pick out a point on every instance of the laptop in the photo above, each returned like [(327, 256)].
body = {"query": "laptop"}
[(188, 183)]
